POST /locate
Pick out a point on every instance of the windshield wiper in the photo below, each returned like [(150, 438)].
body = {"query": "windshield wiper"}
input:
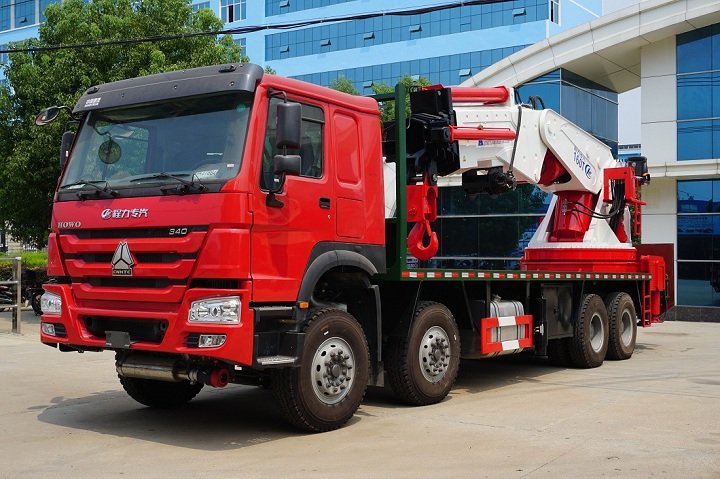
[(183, 187), (83, 195)]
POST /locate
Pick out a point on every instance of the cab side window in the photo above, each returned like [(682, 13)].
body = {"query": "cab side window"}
[(311, 146)]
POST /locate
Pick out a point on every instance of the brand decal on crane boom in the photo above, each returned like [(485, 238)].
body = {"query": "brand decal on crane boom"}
[(583, 163), (122, 261)]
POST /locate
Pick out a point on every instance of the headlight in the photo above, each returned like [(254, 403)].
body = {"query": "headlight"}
[(225, 310), (50, 303)]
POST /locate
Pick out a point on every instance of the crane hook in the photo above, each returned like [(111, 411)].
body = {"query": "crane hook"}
[(415, 241), (422, 210)]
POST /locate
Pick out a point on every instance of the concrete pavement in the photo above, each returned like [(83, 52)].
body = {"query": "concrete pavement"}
[(656, 415)]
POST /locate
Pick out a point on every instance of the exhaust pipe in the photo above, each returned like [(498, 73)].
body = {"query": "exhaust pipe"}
[(170, 370)]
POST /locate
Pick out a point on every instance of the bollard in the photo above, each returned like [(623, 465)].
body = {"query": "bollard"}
[(17, 281), (17, 276)]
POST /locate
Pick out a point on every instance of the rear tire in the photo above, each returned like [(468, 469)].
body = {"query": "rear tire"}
[(160, 394), (328, 387), (623, 326), (589, 344), (423, 366)]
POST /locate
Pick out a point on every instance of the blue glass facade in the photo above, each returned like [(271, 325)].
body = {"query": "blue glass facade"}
[(698, 94), (278, 7), (4, 15), (446, 70), (698, 243), (16, 14), (391, 29)]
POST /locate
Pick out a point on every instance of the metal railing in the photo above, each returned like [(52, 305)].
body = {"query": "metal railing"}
[(16, 281)]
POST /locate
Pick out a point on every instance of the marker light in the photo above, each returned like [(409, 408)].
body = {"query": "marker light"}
[(211, 340), (48, 328), (225, 310)]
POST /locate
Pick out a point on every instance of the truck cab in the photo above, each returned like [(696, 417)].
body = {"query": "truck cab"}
[(172, 233)]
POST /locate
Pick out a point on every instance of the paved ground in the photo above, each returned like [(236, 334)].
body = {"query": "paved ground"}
[(656, 415)]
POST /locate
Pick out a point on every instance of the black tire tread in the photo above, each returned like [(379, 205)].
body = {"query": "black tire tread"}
[(285, 389), (580, 356), (399, 375), (615, 349)]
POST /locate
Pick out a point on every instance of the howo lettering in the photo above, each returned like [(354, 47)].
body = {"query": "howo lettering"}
[(221, 225)]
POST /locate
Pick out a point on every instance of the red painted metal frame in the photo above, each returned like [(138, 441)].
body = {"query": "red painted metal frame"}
[(487, 324), (470, 133), (632, 192)]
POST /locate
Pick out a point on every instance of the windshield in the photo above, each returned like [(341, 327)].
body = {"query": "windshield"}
[(191, 140)]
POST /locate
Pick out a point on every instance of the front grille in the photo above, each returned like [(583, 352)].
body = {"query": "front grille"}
[(143, 330), (192, 340), (140, 257), (215, 283), (60, 330), (123, 282), (125, 233)]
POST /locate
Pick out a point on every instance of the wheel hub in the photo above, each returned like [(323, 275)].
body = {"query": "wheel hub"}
[(332, 373), (597, 332), (434, 354)]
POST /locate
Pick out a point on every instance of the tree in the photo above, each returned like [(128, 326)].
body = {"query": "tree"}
[(29, 164), (388, 108), (344, 85)]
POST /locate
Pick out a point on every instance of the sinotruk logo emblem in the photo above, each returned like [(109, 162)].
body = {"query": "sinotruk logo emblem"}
[(122, 261)]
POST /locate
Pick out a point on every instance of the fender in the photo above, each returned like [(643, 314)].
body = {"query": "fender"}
[(325, 256)]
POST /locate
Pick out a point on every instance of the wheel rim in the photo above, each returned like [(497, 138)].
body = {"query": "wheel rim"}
[(332, 374), (626, 330), (597, 333), (434, 354)]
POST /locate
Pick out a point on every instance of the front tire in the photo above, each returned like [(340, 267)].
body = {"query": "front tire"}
[(590, 341), (328, 387), (160, 394), (422, 367), (623, 326)]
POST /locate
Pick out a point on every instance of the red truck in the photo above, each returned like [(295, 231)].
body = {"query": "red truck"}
[(222, 225)]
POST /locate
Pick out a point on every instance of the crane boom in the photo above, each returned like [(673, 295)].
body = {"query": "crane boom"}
[(493, 142)]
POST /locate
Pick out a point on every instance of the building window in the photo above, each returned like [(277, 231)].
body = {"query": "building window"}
[(4, 14), (698, 94), (555, 11), (233, 10), (24, 14), (698, 242), (392, 29), (200, 6)]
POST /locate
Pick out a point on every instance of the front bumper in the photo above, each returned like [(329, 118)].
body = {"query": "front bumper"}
[(149, 326)]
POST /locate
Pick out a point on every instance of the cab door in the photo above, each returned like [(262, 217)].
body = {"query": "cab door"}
[(287, 227)]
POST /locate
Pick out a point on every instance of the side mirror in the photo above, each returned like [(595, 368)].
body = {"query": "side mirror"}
[(288, 125), (287, 165), (67, 140), (47, 115)]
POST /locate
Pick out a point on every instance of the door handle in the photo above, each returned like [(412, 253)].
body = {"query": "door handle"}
[(325, 203)]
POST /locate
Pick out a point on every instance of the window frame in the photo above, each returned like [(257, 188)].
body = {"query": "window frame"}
[(321, 148)]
